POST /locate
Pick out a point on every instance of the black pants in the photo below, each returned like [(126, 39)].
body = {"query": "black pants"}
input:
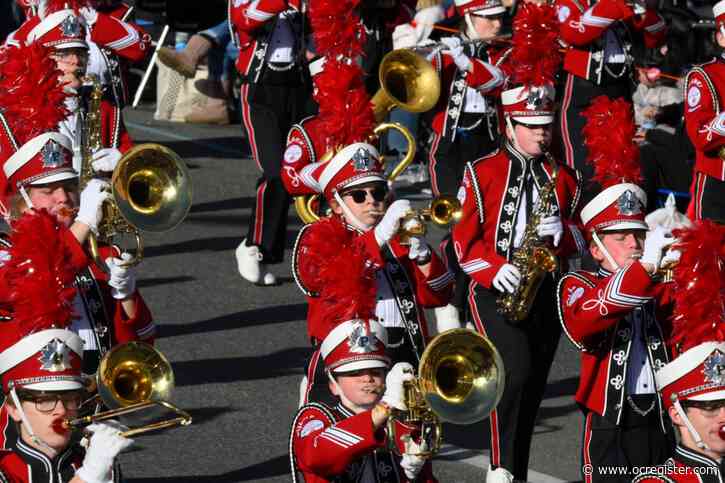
[(268, 111), (527, 349), (447, 159), (708, 199), (637, 441), (576, 95)]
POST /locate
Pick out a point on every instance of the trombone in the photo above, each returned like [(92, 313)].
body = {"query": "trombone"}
[(134, 377)]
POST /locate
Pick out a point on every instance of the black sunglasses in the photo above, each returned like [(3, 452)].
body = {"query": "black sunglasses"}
[(359, 196)]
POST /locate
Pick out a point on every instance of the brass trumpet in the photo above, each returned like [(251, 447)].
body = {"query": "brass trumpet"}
[(460, 380), (442, 211), (134, 377)]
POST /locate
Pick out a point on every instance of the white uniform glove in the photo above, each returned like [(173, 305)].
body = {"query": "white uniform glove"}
[(394, 393), (105, 159), (411, 462), (419, 250), (388, 226), (668, 217), (672, 256), (92, 198), (551, 226), (507, 278), (122, 279), (655, 243), (105, 444), (424, 21), (455, 50), (90, 15), (404, 36)]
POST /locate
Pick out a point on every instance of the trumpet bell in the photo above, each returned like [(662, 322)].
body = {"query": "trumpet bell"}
[(461, 376), (152, 187), (132, 373), (407, 81)]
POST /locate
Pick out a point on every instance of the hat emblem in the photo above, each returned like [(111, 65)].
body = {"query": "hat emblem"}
[(535, 99), (71, 27), (361, 340), (628, 204), (55, 356), (714, 368), (52, 154), (361, 160)]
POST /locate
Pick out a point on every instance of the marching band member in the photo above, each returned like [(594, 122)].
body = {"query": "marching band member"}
[(465, 121), (347, 442), (405, 278), (275, 94), (598, 38), (37, 173), (499, 194), (704, 120), (618, 316), (692, 385), (63, 32), (41, 363)]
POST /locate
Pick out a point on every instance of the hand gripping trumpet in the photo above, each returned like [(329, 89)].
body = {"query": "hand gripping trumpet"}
[(460, 380)]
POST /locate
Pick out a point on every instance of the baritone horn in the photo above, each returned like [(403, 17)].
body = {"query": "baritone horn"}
[(460, 380), (407, 81), (306, 205), (442, 211), (151, 189), (131, 378)]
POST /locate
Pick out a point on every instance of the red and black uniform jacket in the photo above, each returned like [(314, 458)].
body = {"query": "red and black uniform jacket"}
[(582, 24), (490, 196), (113, 130), (485, 76), (413, 290), (24, 464), (705, 123), (687, 466), (334, 445), (596, 311), (304, 147), (252, 24)]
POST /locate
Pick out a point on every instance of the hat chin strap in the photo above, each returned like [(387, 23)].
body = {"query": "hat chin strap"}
[(470, 29), (26, 423), (604, 251), (693, 432), (349, 216)]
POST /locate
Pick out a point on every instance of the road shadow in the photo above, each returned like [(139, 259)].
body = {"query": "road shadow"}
[(562, 387), (204, 415), (229, 204), (222, 148), (267, 469), (247, 318), (152, 282), (233, 369)]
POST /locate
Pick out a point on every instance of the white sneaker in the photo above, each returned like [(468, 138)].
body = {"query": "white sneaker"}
[(249, 261), (499, 475), (447, 318)]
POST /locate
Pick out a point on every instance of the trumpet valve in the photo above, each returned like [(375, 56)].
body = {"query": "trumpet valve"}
[(413, 224)]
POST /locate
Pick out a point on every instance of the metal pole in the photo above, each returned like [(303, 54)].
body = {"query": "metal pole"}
[(150, 67)]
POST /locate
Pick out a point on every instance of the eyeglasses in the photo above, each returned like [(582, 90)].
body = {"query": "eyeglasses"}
[(359, 196), (46, 403)]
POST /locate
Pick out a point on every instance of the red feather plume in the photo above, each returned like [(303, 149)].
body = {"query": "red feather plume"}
[(535, 56), (608, 136), (699, 301), (39, 274), (31, 95), (345, 280), (345, 111)]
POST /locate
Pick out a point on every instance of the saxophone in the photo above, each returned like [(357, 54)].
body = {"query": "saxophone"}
[(533, 258), (112, 221)]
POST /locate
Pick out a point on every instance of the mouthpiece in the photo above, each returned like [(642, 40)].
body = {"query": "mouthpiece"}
[(61, 426), (721, 432), (67, 212)]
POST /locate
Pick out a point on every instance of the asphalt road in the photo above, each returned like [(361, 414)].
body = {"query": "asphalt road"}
[(238, 350)]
